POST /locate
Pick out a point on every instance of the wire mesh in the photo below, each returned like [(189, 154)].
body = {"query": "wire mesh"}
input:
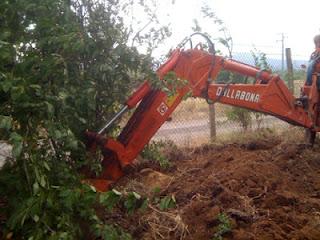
[(190, 124)]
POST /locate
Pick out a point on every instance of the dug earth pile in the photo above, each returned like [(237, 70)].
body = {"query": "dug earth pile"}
[(266, 189)]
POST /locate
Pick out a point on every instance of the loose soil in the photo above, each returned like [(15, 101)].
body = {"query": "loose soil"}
[(269, 189)]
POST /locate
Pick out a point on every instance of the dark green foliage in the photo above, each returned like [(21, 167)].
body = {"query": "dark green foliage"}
[(153, 152), (132, 202), (167, 202), (65, 66), (229, 77), (110, 199), (240, 115), (223, 228), (299, 75)]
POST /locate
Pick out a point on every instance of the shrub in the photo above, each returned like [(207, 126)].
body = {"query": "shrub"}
[(64, 67)]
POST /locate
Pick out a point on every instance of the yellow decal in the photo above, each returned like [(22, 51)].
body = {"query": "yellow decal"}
[(171, 99)]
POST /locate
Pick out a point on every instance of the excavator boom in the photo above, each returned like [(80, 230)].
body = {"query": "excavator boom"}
[(268, 94)]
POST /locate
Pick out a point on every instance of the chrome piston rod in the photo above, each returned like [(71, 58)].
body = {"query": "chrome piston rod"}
[(114, 118)]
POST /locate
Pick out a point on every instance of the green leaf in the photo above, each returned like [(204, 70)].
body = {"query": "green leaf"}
[(42, 181), (110, 199), (136, 195), (72, 145), (36, 218), (17, 141), (116, 192), (5, 122), (63, 95), (35, 187), (36, 88), (57, 134), (17, 92), (156, 190), (50, 109), (132, 202), (3, 42), (93, 189), (167, 202), (144, 204), (45, 164), (6, 85), (23, 218)]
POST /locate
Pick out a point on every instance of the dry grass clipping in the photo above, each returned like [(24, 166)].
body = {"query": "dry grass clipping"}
[(165, 225)]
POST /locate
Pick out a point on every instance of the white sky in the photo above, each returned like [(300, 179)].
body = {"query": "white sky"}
[(250, 22)]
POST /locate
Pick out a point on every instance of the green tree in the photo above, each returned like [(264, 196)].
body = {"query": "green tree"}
[(65, 66)]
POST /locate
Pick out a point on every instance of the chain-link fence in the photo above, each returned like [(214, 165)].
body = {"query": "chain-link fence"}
[(191, 122)]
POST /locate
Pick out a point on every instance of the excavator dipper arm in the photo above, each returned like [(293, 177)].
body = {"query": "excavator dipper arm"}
[(269, 95)]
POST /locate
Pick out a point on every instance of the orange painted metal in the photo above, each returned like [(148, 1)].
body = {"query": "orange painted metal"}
[(269, 95), (135, 98), (169, 64)]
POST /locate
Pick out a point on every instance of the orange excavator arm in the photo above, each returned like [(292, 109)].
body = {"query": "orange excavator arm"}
[(268, 94)]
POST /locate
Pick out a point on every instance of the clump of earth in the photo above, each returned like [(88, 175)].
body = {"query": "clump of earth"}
[(267, 189)]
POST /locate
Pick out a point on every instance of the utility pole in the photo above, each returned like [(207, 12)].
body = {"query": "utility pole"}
[(282, 50), (290, 70), (212, 122)]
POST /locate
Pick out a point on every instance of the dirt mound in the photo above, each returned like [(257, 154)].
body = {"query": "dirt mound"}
[(267, 190)]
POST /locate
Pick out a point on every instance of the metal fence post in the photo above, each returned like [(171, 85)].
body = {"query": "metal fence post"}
[(290, 70), (212, 122)]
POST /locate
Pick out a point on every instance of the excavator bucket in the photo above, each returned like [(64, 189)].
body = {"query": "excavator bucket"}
[(154, 109), (111, 168)]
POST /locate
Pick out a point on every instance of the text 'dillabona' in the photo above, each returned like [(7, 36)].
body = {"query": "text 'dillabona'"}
[(238, 94)]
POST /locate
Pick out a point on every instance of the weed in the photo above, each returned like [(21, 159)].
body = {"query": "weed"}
[(240, 116), (156, 190), (223, 227), (167, 202), (133, 201), (110, 199), (152, 152)]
